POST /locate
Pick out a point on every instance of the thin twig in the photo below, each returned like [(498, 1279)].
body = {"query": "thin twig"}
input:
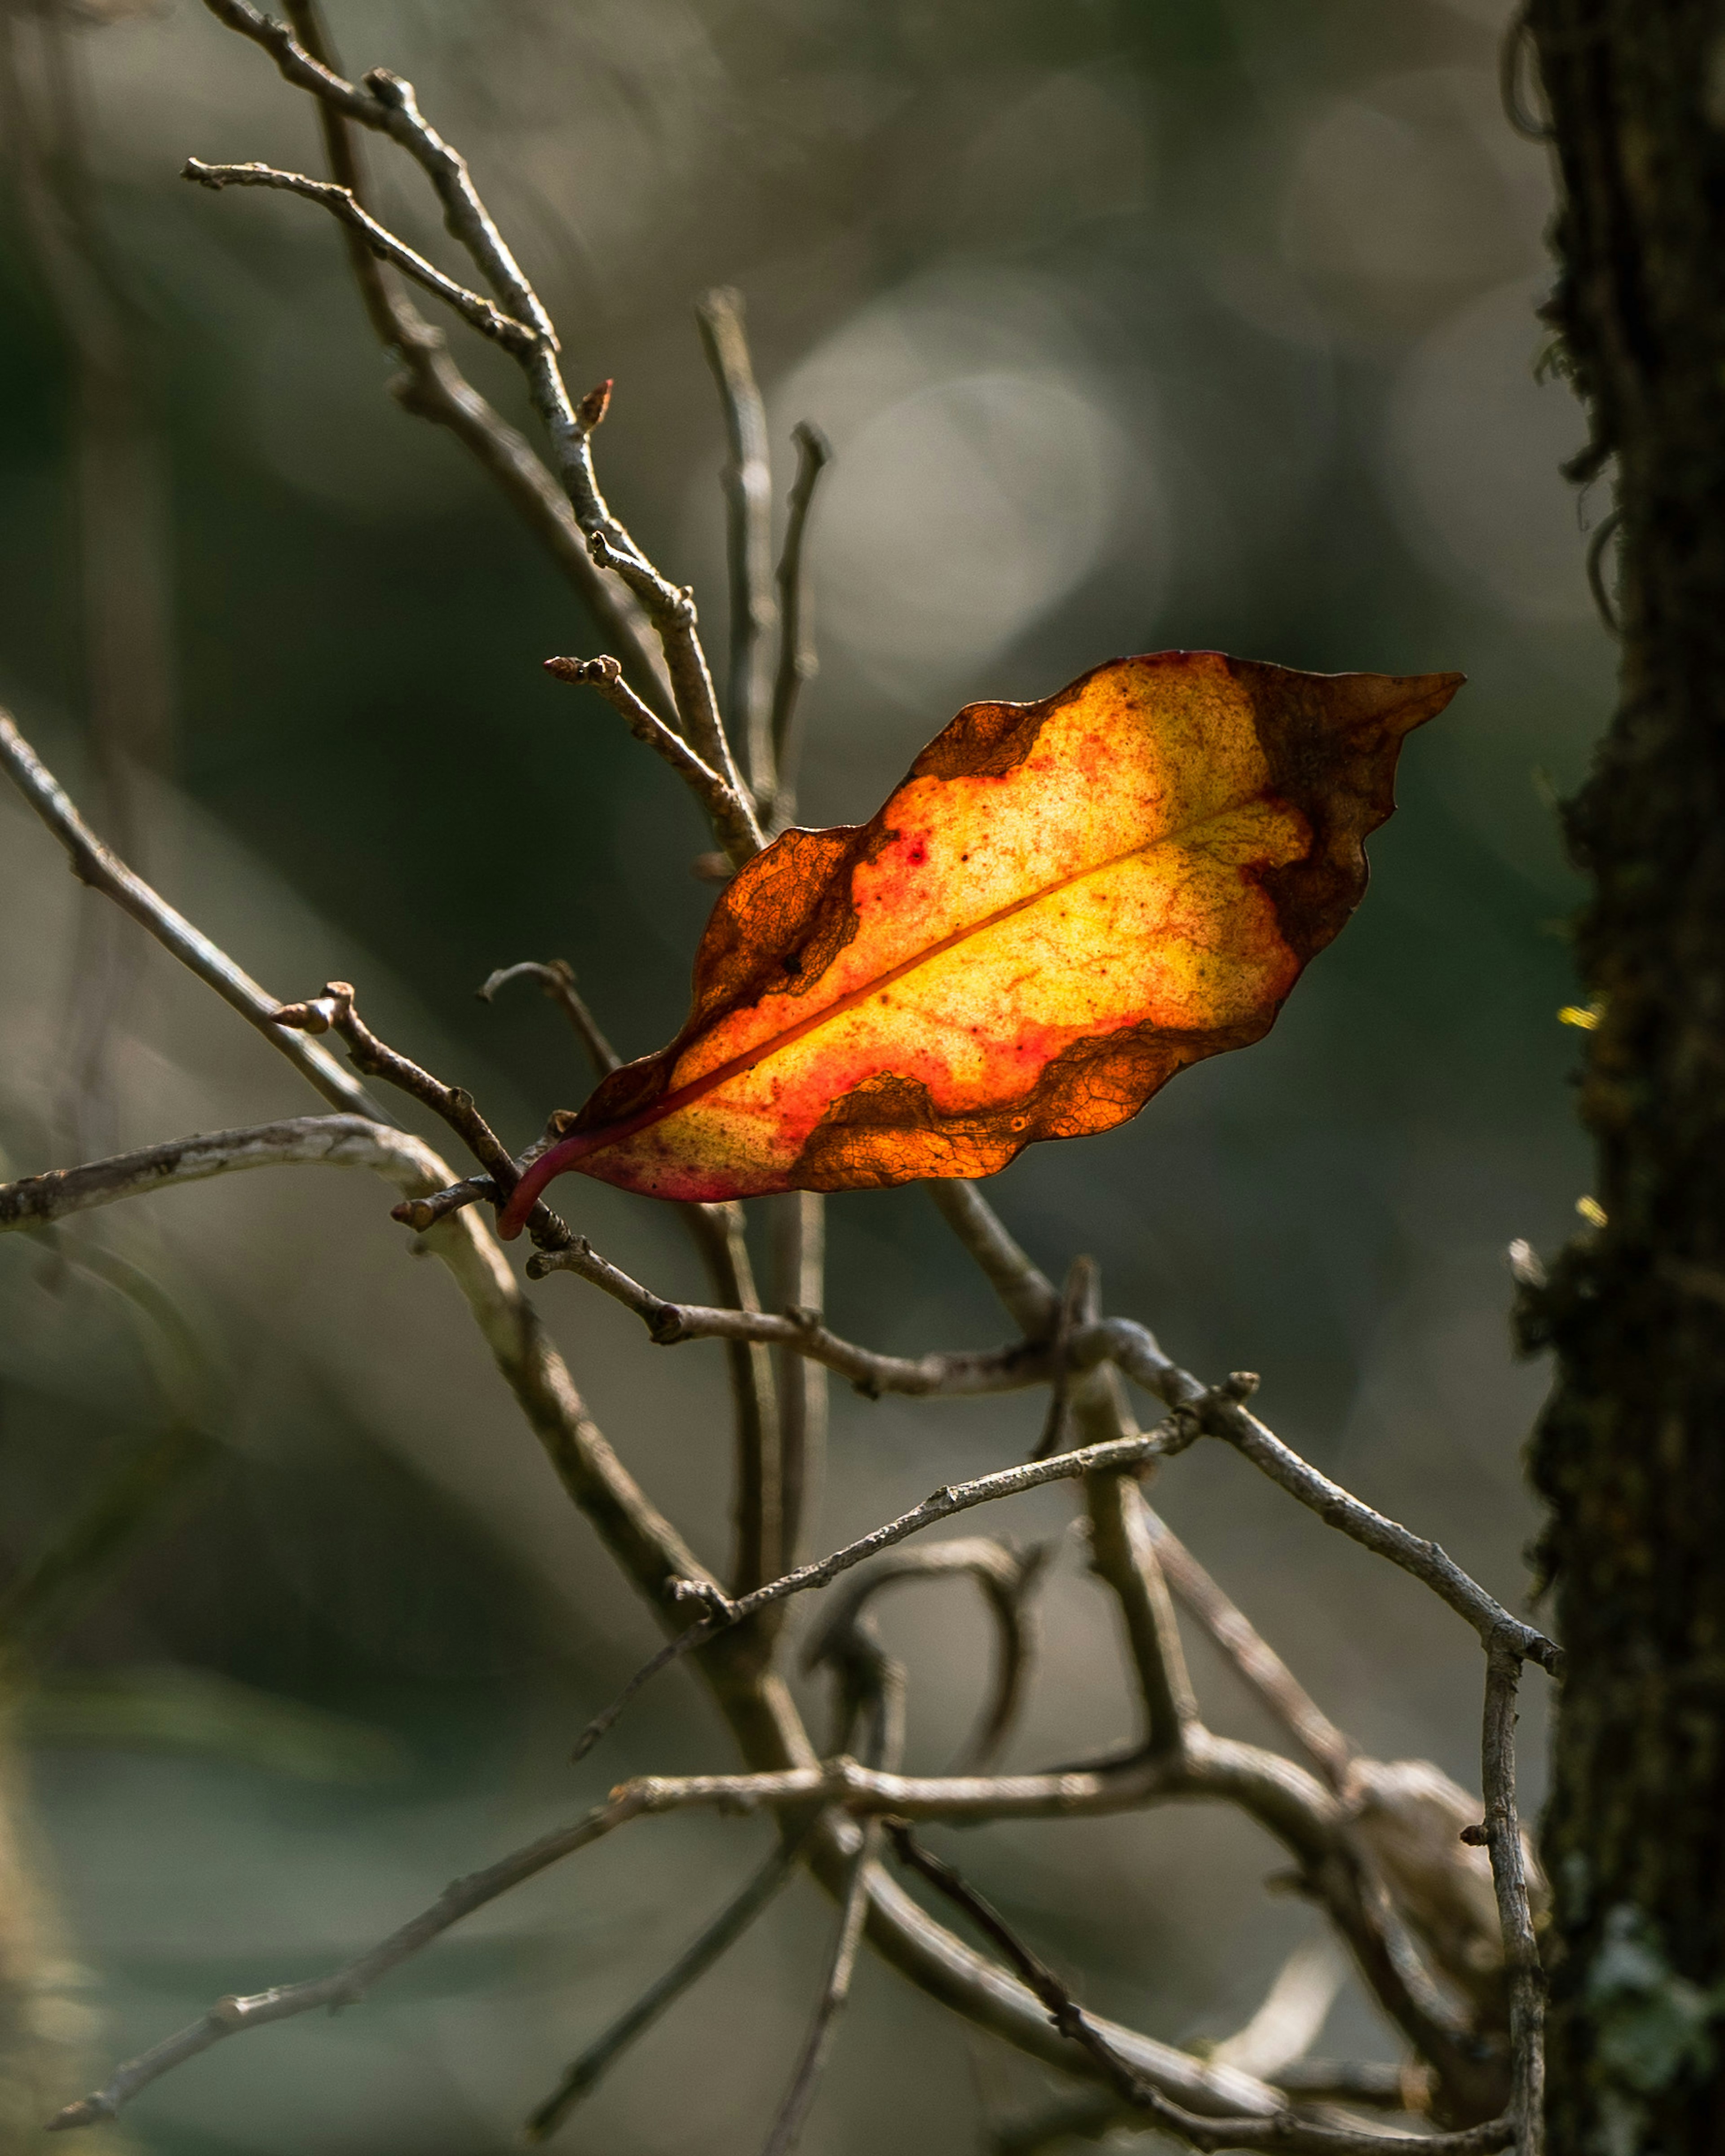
[(1285, 2131), (1123, 1555), (94, 864), (868, 1791), (945, 1502), (557, 976), (797, 663), (985, 1370), (1077, 1304), (721, 1935), (798, 1225), (655, 1557), (1031, 1298), (733, 821), (758, 1489), (340, 201), (1262, 1668), (836, 1990), (1509, 1875), (233, 2016), (334, 1012), (748, 524)]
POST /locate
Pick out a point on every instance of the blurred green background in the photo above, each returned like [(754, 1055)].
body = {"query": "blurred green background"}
[(1133, 326)]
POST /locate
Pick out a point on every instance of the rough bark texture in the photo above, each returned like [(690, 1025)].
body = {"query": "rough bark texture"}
[(1630, 1454)]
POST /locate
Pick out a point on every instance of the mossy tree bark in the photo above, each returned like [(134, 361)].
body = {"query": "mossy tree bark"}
[(1630, 1453)]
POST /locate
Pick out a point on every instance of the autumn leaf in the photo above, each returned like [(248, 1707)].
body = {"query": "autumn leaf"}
[(1063, 904)]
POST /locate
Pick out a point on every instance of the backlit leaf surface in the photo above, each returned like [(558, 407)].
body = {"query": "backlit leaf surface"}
[(1062, 904)]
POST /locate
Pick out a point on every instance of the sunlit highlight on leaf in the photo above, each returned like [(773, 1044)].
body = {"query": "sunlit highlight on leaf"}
[(1062, 904)]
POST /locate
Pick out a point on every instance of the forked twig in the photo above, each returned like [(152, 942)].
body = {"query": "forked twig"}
[(431, 386)]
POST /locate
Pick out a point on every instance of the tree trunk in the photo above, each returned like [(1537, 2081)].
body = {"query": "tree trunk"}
[(1630, 1452)]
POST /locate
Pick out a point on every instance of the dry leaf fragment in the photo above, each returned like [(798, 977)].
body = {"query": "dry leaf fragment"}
[(1062, 904)]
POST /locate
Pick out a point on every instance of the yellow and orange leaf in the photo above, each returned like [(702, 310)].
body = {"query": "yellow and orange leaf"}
[(1062, 904)]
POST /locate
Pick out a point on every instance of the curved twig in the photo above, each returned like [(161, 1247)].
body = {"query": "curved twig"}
[(557, 976), (1008, 1577)]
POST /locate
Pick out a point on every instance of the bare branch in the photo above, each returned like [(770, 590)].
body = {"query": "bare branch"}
[(105, 871), (749, 504), (1416, 1554), (1215, 1410), (387, 104), (1509, 1874), (1262, 1668), (953, 1498), (834, 1991), (479, 312), (557, 976), (420, 1213), (733, 821), (758, 1496), (671, 609), (798, 665), (596, 2062), (986, 1370), (1034, 1301)]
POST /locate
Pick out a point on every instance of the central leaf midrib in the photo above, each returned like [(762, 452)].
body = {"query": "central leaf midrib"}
[(736, 1066)]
